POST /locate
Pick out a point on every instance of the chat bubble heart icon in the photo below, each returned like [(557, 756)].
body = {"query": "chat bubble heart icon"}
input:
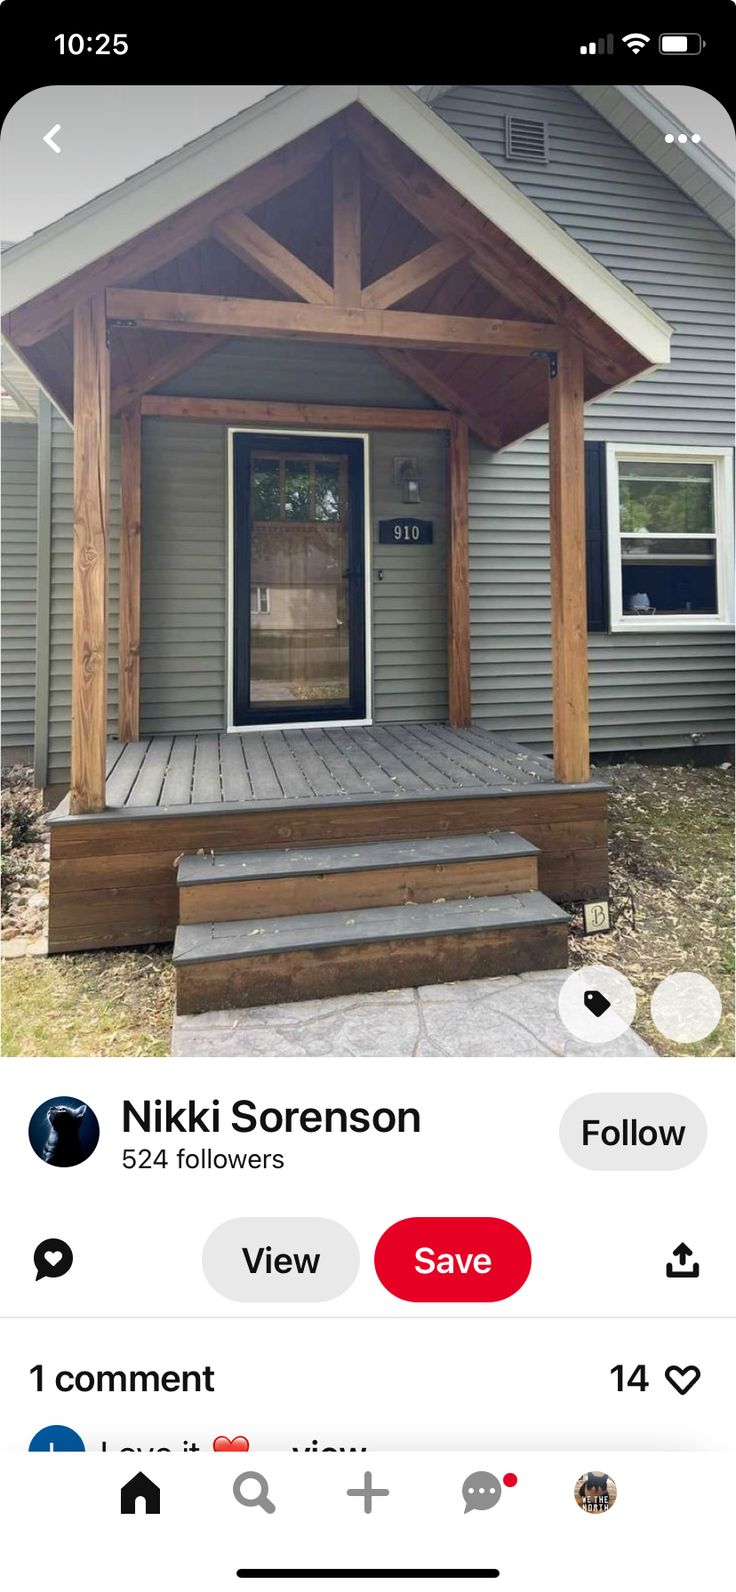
[(52, 1258), (231, 1445)]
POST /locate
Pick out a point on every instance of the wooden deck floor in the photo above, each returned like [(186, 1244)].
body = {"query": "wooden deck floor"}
[(373, 763)]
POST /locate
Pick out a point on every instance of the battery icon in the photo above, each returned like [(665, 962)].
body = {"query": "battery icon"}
[(680, 43)]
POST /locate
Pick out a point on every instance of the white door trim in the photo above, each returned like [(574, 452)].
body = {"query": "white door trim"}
[(298, 431)]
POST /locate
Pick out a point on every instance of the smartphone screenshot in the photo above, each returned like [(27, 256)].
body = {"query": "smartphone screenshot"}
[(367, 704)]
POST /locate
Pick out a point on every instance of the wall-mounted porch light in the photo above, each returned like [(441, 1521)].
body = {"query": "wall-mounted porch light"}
[(406, 476)]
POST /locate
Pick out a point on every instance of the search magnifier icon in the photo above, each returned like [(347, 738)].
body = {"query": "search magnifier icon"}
[(260, 1500)]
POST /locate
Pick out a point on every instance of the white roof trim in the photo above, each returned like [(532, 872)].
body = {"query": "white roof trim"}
[(108, 221)]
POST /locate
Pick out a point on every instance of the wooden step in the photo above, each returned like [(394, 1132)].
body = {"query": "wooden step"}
[(268, 960), (275, 881)]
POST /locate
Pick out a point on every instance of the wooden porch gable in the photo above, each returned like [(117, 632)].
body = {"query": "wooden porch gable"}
[(344, 235)]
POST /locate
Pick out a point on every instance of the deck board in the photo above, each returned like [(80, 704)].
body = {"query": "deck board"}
[(236, 784), (146, 791), (177, 786), (327, 765), (206, 783)]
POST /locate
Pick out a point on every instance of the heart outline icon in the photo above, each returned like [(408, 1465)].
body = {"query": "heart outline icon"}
[(231, 1445), (675, 1371)]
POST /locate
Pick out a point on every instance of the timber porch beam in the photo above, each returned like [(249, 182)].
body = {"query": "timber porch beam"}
[(251, 243), (89, 557), (265, 411), (129, 633), (458, 582), (346, 224), (239, 317), (567, 569)]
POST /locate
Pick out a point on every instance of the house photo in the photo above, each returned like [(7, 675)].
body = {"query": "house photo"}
[(367, 485)]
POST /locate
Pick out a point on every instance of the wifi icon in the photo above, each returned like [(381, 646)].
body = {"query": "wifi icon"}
[(635, 41)]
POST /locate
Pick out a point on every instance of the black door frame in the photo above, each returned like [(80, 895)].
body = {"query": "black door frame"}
[(244, 443)]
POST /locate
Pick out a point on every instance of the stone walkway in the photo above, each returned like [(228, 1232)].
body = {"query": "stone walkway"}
[(483, 1017)]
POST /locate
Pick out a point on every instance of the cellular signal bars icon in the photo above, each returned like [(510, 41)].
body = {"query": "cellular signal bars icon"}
[(603, 47)]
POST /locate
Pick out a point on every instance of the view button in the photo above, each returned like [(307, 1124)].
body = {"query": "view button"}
[(453, 1259)]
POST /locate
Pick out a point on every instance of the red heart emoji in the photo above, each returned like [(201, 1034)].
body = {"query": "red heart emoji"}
[(231, 1445)]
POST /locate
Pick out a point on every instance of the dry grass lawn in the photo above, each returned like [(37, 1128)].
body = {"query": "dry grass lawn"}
[(108, 1003)]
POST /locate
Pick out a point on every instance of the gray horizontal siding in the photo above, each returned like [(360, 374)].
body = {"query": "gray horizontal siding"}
[(183, 576), (290, 372), (19, 519), (409, 602), (60, 645), (646, 691)]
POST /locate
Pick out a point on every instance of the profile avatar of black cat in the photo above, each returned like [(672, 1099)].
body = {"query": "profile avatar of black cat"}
[(63, 1147)]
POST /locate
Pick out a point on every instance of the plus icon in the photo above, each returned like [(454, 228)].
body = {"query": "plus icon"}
[(368, 1492)]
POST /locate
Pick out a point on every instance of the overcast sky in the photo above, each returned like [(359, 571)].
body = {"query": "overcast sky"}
[(106, 134)]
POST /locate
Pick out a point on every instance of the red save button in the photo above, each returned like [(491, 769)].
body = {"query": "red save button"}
[(453, 1259)]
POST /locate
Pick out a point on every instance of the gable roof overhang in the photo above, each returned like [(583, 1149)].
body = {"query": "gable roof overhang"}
[(526, 263)]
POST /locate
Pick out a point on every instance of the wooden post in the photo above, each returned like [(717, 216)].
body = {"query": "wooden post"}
[(567, 560), (89, 568), (458, 580), (129, 639), (346, 225)]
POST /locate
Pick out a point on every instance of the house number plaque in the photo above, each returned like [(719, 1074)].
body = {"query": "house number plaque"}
[(406, 533)]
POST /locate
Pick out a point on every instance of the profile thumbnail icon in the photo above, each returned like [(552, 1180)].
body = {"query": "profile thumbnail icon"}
[(595, 1492), (64, 1131)]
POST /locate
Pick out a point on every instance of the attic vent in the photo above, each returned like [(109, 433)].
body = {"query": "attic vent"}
[(526, 138)]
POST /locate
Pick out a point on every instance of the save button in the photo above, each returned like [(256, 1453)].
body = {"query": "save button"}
[(453, 1259)]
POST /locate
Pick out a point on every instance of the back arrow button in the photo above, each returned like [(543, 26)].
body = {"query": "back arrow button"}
[(48, 138)]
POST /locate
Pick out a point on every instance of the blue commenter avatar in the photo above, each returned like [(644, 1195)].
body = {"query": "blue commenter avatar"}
[(56, 1440)]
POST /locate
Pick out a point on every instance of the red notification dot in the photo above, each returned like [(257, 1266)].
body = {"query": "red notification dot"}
[(510, 1479)]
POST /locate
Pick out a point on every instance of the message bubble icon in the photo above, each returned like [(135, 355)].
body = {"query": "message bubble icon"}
[(52, 1258), (481, 1490)]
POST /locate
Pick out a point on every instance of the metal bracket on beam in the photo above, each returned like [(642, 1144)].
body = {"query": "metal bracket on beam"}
[(551, 355), (113, 324)]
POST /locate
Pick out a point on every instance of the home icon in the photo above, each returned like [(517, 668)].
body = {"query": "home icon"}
[(140, 1486)]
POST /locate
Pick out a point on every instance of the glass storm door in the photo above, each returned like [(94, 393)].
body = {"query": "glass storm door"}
[(299, 579)]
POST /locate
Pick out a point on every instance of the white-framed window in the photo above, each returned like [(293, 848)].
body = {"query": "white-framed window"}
[(260, 599), (670, 537)]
